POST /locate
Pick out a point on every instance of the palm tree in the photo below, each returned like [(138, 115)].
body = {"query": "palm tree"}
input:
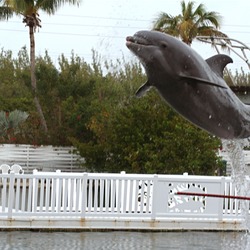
[(10, 123), (29, 9), (190, 23)]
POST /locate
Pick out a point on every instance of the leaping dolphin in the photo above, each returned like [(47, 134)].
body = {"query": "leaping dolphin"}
[(194, 87)]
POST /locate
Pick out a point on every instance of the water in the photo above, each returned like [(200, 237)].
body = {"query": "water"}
[(234, 149), (24, 240)]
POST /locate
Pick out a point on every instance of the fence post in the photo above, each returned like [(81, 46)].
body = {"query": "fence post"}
[(28, 157), (11, 194), (84, 195), (154, 200), (221, 201)]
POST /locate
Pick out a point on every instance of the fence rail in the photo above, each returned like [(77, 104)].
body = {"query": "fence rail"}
[(104, 200), (44, 158)]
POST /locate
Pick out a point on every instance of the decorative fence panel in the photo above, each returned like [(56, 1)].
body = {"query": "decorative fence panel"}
[(173, 205)]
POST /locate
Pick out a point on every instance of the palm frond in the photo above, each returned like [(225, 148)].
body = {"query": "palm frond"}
[(51, 6), (11, 7), (210, 18), (167, 24), (11, 121), (16, 117), (210, 31), (6, 13), (187, 10), (200, 10)]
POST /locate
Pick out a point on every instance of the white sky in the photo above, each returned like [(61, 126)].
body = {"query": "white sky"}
[(104, 25)]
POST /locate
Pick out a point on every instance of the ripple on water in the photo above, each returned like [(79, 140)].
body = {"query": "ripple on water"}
[(123, 240)]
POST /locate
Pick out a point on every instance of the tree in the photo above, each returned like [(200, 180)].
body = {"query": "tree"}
[(29, 10), (190, 23), (146, 136), (15, 82)]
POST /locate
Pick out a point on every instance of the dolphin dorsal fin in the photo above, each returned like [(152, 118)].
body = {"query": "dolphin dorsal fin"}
[(218, 62)]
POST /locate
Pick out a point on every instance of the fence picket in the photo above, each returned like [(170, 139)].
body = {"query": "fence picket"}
[(4, 193), (113, 195), (84, 196), (41, 195), (48, 191), (58, 195), (65, 194), (96, 185), (11, 194), (101, 198), (107, 194), (23, 203), (136, 195), (30, 187)]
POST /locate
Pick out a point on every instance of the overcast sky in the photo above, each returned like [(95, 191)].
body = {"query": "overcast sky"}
[(104, 25)]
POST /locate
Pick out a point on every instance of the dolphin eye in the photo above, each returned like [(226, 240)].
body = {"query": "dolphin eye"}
[(164, 45)]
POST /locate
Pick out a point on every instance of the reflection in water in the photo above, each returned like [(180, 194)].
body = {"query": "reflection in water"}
[(123, 240), (239, 241)]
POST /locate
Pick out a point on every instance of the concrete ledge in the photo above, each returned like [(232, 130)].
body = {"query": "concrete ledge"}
[(137, 224)]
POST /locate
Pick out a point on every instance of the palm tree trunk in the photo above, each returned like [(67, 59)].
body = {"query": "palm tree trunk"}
[(33, 80)]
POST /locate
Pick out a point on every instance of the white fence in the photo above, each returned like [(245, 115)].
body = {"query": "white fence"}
[(44, 158), (117, 201)]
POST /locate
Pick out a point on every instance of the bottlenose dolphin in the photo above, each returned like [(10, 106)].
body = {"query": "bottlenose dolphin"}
[(194, 87)]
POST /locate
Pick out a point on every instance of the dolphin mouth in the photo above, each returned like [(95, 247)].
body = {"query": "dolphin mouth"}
[(136, 40)]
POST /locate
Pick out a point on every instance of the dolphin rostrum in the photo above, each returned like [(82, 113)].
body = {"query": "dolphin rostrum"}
[(194, 87)]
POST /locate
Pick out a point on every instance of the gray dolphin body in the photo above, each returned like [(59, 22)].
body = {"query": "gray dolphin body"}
[(194, 87)]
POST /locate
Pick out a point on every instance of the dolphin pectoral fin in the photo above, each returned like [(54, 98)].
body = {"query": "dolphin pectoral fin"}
[(143, 89), (194, 79)]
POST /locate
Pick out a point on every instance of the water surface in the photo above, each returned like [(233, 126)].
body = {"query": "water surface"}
[(119, 240)]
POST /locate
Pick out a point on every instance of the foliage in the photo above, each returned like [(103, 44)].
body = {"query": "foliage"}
[(146, 136), (240, 78), (14, 81)]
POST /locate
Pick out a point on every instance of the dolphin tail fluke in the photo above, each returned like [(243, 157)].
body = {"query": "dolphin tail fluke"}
[(143, 89)]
